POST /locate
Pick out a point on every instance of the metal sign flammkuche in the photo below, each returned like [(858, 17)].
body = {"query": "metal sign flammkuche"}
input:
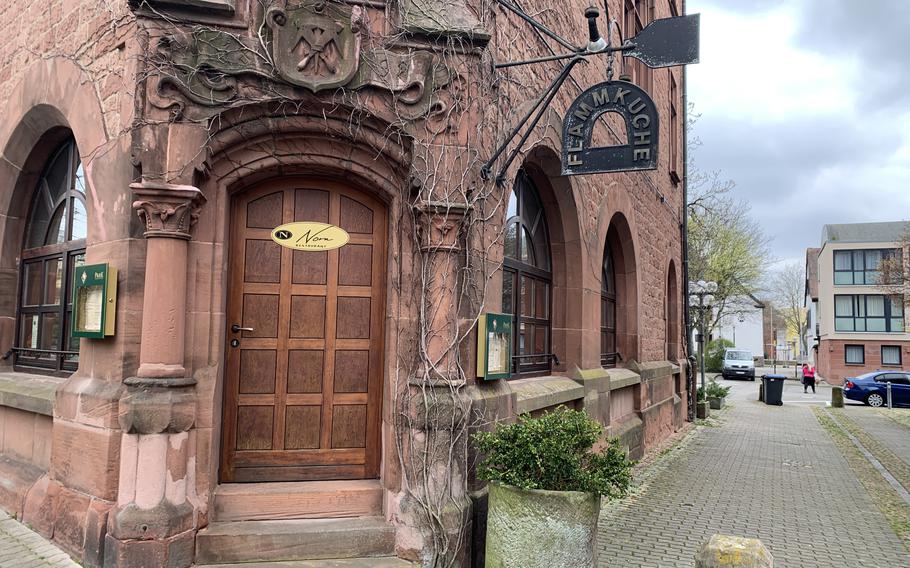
[(641, 124), (305, 235)]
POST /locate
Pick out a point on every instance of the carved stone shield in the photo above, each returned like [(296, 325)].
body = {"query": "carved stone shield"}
[(315, 44)]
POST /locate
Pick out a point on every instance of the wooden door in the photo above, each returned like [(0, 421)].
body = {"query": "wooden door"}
[(303, 386)]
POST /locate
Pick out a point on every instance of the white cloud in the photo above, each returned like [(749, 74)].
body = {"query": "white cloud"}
[(751, 69), (800, 115)]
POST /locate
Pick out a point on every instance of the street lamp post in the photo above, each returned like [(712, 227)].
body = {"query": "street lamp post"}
[(700, 299)]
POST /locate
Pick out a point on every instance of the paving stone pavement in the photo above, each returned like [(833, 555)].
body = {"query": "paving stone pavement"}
[(20, 547), (763, 472)]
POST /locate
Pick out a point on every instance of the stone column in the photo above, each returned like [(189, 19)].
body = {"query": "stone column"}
[(438, 406), (155, 518)]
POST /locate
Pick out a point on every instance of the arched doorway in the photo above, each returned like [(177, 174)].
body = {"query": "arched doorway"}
[(303, 378)]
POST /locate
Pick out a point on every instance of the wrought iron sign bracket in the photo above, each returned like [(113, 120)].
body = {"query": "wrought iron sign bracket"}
[(666, 42)]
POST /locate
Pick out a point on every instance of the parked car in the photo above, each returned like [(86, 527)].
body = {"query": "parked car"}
[(872, 388), (738, 363)]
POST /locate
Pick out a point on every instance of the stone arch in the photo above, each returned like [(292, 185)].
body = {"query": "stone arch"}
[(619, 239), (671, 314), (38, 120)]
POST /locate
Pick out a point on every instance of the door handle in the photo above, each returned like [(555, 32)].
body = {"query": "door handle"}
[(237, 329)]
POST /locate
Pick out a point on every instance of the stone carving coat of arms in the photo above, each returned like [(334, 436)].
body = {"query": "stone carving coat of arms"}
[(315, 44)]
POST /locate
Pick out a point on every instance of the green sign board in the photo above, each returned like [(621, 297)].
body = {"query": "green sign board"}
[(94, 300), (494, 346)]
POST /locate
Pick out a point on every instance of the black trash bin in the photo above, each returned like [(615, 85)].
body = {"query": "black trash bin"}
[(773, 386)]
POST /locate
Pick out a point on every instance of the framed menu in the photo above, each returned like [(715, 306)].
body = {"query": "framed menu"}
[(494, 346), (94, 300)]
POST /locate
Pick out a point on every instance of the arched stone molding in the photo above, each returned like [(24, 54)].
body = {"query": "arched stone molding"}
[(621, 240), (671, 314), (254, 146)]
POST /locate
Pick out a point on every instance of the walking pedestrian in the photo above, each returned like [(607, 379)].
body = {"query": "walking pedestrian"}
[(808, 378)]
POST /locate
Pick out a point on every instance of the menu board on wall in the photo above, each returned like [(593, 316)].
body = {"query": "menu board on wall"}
[(494, 346), (94, 300)]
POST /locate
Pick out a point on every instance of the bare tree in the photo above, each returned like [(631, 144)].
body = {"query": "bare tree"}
[(788, 291), (725, 244)]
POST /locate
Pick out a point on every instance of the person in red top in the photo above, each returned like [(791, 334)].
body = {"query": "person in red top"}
[(808, 377)]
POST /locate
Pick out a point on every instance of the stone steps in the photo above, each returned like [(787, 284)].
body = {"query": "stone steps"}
[(298, 500), (295, 539)]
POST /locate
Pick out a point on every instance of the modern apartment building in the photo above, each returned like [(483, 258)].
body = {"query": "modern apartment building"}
[(858, 326)]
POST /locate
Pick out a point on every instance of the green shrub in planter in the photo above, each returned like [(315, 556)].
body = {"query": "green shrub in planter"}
[(554, 452), (546, 483), (717, 390)]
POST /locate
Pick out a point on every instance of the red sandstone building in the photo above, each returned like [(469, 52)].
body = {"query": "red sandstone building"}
[(334, 391)]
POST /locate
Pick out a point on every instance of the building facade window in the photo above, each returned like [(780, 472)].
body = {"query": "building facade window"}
[(860, 267), (636, 15), (854, 355), (608, 311), (54, 245), (527, 279), (891, 355), (868, 313)]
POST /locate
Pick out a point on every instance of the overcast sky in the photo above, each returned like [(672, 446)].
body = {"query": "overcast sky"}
[(805, 104)]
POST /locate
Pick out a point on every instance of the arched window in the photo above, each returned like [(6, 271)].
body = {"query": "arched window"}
[(608, 310), (54, 244), (527, 279)]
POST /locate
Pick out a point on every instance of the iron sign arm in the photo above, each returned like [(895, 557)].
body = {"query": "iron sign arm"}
[(526, 17), (539, 107), (627, 47)]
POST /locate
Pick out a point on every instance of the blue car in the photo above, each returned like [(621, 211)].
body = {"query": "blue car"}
[(872, 388)]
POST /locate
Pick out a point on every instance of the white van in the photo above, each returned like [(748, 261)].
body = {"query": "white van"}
[(738, 363)]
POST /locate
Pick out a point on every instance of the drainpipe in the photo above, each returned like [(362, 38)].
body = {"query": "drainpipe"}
[(684, 231)]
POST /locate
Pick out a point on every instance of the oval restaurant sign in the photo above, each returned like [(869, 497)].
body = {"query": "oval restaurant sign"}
[(304, 235), (640, 117)]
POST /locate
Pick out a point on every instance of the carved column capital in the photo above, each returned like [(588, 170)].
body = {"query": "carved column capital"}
[(440, 225), (168, 210)]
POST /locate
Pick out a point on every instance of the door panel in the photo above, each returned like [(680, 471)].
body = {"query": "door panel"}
[(303, 387)]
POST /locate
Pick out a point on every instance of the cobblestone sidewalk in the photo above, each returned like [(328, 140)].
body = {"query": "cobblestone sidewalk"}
[(21, 547), (763, 472)]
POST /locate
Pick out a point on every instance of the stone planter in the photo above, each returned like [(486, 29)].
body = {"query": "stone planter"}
[(541, 529), (716, 402), (702, 409)]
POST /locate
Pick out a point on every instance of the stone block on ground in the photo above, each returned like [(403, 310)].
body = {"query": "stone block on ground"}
[(725, 551), (837, 397)]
